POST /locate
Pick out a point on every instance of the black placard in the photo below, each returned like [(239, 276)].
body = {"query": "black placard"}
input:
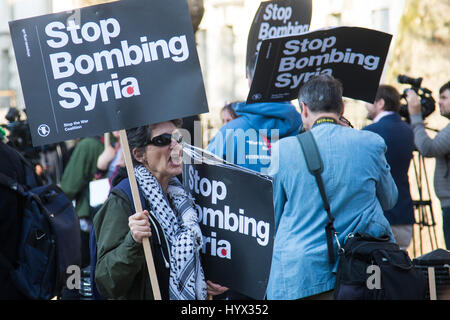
[(356, 56), (107, 67), (237, 220), (278, 18)]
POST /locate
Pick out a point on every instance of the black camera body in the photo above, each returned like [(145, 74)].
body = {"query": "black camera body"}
[(20, 136), (427, 102), (19, 132)]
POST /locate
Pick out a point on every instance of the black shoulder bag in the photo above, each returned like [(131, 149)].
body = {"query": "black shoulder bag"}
[(369, 268)]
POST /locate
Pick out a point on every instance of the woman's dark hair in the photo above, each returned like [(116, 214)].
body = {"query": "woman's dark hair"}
[(229, 107), (138, 137)]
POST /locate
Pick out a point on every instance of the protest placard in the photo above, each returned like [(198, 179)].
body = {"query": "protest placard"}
[(111, 66), (278, 18), (354, 55), (236, 215)]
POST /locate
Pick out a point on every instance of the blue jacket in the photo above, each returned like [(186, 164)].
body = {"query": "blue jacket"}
[(399, 139), (246, 140), (358, 185)]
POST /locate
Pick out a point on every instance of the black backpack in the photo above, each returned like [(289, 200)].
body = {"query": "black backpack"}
[(49, 241), (369, 268)]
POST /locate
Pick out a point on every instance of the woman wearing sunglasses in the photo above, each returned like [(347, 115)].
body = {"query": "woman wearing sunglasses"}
[(169, 218)]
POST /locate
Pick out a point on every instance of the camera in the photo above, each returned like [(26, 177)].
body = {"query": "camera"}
[(19, 138), (19, 133), (428, 104)]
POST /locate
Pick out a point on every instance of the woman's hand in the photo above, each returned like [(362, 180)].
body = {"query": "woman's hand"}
[(214, 289), (139, 226)]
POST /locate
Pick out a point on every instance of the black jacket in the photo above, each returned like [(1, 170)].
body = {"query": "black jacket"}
[(11, 212)]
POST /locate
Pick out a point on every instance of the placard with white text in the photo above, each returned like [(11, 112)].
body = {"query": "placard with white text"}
[(236, 216), (107, 67), (356, 56)]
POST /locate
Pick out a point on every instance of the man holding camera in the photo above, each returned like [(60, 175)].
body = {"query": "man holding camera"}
[(399, 138), (438, 147)]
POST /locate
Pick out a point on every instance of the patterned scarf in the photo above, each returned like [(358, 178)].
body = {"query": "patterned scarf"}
[(178, 219)]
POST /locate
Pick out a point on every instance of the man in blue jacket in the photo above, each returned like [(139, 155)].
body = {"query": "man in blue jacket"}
[(399, 138), (357, 182)]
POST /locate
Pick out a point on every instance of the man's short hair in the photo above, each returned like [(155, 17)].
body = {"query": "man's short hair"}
[(322, 93), (444, 87), (390, 96)]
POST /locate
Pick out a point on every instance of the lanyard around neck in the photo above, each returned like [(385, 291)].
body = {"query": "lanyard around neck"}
[(324, 120)]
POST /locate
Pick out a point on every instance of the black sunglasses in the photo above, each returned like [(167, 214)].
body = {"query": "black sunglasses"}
[(165, 139)]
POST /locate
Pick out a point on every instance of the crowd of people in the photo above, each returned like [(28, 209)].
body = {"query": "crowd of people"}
[(365, 175)]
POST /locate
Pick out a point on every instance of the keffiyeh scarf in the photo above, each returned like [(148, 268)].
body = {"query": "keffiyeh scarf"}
[(178, 219)]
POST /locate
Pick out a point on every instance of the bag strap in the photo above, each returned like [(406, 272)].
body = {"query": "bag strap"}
[(124, 186), (315, 167)]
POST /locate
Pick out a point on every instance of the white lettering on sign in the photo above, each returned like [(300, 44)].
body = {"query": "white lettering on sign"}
[(90, 31), (289, 64), (223, 219), (276, 15), (273, 12), (64, 65)]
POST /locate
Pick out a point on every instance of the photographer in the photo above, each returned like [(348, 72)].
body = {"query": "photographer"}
[(438, 148), (357, 194)]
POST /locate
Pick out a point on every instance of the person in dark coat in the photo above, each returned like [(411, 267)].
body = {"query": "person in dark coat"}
[(399, 138), (11, 215)]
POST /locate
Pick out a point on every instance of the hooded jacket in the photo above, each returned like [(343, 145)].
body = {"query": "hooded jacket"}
[(247, 140)]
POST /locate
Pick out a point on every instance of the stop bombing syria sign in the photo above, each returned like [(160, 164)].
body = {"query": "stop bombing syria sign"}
[(235, 210), (356, 56), (107, 67), (278, 18)]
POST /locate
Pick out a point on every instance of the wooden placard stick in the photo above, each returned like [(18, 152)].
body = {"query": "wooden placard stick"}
[(106, 141), (138, 206)]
